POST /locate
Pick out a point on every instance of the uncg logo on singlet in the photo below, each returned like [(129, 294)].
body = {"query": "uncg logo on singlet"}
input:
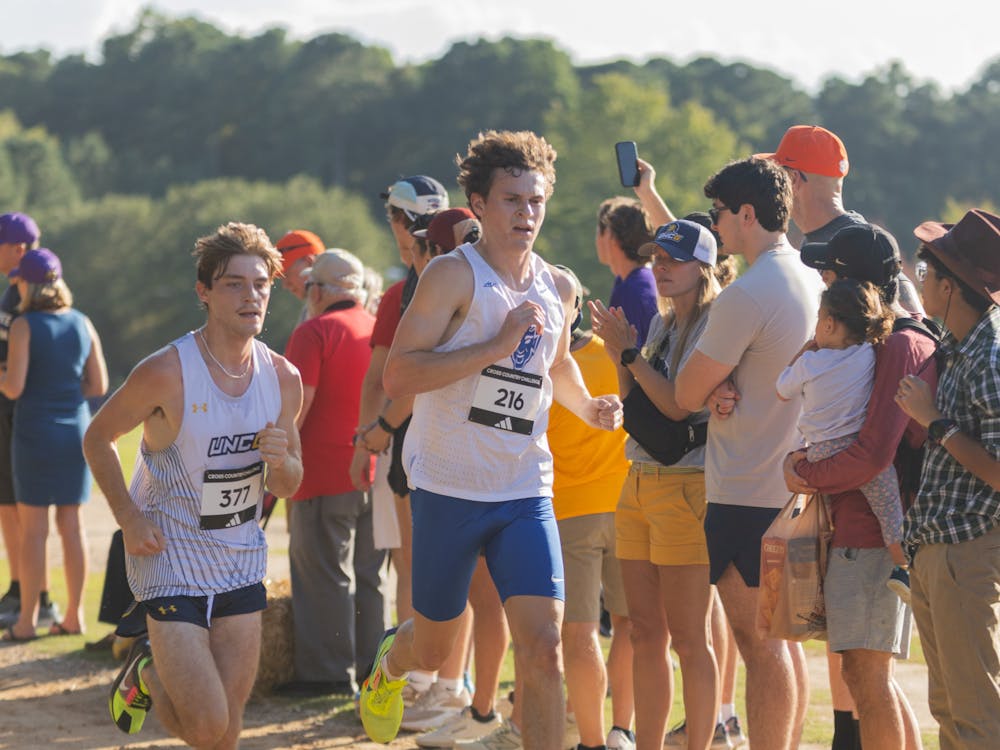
[(223, 445), (526, 349)]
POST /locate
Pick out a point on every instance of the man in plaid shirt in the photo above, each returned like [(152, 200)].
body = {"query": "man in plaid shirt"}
[(953, 528)]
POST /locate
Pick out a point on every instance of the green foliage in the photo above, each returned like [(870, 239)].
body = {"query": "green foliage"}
[(181, 126)]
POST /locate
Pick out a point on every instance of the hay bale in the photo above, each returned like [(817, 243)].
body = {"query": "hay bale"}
[(277, 645)]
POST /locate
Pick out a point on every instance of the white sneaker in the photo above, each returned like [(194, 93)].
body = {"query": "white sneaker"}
[(410, 694), (460, 728), (434, 707), (620, 739), (504, 737)]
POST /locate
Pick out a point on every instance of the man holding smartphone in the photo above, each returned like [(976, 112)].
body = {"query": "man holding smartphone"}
[(484, 347)]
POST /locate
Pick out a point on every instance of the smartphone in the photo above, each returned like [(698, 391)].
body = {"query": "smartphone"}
[(628, 165)]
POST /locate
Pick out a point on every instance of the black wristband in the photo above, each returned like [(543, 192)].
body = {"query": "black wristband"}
[(385, 425), (629, 356)]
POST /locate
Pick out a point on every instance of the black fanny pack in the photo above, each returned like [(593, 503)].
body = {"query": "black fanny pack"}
[(663, 438)]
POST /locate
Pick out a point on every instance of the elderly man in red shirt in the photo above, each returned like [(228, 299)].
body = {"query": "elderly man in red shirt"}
[(332, 548)]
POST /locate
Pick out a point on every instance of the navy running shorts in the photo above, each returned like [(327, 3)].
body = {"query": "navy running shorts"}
[(733, 533)]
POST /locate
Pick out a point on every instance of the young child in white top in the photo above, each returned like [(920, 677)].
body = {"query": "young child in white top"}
[(834, 373)]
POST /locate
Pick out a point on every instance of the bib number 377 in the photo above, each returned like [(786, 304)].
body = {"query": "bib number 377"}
[(229, 497), (507, 399)]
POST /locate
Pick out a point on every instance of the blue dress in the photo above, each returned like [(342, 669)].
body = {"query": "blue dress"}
[(51, 415)]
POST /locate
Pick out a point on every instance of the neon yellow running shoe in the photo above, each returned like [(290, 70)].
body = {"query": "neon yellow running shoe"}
[(129, 701), (381, 698)]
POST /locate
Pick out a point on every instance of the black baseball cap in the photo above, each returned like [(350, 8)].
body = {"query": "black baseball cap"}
[(863, 252)]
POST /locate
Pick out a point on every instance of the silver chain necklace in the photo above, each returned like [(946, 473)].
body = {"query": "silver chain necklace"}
[(246, 369)]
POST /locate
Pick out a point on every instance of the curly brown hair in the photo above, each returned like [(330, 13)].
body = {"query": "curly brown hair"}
[(513, 151)]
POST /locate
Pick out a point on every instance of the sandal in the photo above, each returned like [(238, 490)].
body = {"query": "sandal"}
[(58, 628), (9, 636)]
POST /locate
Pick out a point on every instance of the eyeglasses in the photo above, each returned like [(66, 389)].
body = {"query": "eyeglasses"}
[(713, 212), (920, 271)]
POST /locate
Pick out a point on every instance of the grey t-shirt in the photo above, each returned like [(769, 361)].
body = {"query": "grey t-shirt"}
[(757, 324), (909, 298), (694, 459)]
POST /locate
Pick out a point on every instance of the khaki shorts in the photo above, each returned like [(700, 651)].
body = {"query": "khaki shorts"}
[(660, 517), (590, 564)]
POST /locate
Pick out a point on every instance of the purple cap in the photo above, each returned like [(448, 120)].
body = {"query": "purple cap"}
[(39, 266), (17, 228)]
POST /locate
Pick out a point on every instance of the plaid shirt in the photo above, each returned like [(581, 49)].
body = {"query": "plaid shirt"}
[(952, 505)]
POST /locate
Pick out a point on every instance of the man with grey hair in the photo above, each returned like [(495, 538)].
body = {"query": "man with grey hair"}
[(332, 547)]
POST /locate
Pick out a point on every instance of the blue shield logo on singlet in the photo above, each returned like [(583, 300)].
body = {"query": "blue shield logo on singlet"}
[(526, 349)]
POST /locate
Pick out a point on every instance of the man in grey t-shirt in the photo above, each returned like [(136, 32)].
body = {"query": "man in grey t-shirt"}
[(816, 161), (755, 327)]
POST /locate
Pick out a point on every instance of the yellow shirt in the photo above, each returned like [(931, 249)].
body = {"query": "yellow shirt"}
[(590, 464)]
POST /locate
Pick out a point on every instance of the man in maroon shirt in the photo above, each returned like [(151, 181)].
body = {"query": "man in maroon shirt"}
[(867, 623)]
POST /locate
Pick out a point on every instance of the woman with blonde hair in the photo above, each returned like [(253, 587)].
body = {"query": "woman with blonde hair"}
[(660, 539), (54, 364)]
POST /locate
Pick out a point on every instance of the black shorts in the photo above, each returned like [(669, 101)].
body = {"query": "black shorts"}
[(193, 609), (6, 463), (398, 482), (733, 533)]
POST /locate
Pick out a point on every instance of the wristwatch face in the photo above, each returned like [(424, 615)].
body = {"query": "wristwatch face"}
[(629, 355)]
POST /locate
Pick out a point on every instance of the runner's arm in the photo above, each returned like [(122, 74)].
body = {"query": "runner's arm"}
[(279, 443), (444, 292), (568, 388), (151, 396)]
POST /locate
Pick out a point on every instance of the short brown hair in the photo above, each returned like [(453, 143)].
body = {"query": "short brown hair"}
[(214, 251), (858, 305), (759, 182), (628, 223), (513, 151)]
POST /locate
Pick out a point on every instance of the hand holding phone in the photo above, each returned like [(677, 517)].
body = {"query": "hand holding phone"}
[(628, 164)]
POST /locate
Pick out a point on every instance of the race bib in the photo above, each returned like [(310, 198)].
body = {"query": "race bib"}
[(229, 497), (507, 399)]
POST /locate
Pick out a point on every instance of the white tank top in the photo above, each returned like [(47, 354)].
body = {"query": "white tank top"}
[(483, 437), (204, 491)]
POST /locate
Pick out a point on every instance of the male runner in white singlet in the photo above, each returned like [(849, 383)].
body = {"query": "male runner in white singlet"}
[(484, 346), (218, 409)]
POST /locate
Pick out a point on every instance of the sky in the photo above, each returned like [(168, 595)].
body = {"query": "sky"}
[(947, 43)]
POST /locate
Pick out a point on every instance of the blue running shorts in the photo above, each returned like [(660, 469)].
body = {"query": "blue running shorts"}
[(519, 539)]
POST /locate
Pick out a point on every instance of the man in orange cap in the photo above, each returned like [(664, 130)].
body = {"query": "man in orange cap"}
[(298, 249), (953, 528), (816, 161)]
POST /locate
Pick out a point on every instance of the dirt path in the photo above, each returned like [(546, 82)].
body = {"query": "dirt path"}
[(51, 700)]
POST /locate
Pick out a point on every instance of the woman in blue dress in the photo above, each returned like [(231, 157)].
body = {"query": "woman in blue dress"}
[(54, 364)]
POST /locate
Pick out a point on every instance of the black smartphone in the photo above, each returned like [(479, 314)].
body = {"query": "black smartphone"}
[(628, 165)]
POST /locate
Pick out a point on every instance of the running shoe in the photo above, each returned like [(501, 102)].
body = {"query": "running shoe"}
[(677, 737), (461, 728), (129, 701), (381, 698), (735, 732), (504, 737), (433, 708), (620, 739), (48, 615)]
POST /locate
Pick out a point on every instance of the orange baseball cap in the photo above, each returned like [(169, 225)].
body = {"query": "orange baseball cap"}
[(298, 243), (810, 148)]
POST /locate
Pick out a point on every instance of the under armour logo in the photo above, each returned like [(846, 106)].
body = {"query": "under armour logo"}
[(164, 610), (203, 407)]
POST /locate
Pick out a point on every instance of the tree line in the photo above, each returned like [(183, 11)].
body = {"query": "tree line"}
[(180, 126)]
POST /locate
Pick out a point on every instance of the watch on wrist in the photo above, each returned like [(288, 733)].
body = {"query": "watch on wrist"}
[(940, 430), (629, 356), (385, 425)]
